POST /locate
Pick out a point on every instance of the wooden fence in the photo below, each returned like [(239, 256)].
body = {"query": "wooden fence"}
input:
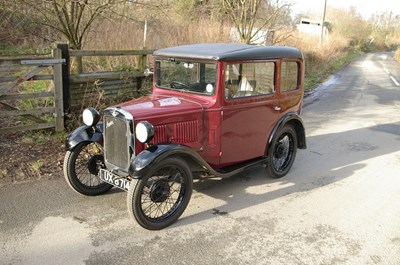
[(10, 94), (88, 88), (72, 91)]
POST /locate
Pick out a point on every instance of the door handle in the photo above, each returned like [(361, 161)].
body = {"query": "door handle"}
[(276, 108)]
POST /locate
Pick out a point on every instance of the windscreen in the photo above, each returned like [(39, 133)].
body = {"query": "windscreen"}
[(186, 76)]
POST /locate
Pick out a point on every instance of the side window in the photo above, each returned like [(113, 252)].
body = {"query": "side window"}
[(249, 79), (289, 76), (210, 73)]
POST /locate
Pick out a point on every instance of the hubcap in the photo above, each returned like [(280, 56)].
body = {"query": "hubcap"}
[(95, 163), (160, 191), (281, 150)]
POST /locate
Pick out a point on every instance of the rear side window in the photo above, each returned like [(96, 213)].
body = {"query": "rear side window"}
[(289, 76), (249, 79)]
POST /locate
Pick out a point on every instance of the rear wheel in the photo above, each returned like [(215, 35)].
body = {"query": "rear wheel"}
[(160, 197), (81, 168), (282, 152)]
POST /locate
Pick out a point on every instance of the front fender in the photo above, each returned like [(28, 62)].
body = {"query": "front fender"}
[(84, 133), (148, 158)]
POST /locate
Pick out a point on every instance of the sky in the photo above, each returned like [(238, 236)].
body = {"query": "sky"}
[(365, 7)]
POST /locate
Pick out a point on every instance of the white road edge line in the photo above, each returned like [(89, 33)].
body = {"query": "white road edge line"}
[(386, 70), (394, 81)]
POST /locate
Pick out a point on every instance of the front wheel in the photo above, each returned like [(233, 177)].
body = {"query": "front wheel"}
[(282, 152), (81, 168), (160, 197)]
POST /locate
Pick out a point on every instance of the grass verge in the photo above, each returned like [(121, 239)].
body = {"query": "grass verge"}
[(397, 54), (315, 77), (15, 50)]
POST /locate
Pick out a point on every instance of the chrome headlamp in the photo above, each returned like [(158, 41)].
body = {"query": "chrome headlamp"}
[(90, 116), (144, 131)]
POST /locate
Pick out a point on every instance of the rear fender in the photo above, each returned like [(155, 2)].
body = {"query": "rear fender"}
[(84, 133), (294, 120)]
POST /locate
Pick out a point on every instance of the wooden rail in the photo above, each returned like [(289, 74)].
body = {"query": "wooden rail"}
[(82, 53), (81, 87), (71, 90), (11, 83)]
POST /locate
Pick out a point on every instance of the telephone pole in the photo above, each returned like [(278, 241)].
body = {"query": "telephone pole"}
[(322, 25)]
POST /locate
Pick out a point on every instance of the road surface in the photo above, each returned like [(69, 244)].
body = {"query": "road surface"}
[(340, 203)]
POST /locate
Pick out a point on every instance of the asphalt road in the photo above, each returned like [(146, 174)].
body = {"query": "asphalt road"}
[(340, 203)]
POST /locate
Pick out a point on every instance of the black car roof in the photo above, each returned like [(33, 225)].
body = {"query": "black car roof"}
[(230, 52)]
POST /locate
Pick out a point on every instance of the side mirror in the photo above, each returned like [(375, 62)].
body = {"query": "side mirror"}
[(147, 72)]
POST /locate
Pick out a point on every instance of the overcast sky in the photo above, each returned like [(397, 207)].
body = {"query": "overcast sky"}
[(366, 8)]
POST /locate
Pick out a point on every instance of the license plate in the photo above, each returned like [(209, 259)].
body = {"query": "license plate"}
[(115, 180)]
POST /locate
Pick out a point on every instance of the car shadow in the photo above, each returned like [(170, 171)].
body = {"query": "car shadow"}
[(329, 159)]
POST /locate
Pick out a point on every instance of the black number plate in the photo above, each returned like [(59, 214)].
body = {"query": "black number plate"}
[(115, 180)]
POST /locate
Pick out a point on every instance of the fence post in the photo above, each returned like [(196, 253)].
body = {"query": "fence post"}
[(142, 62), (65, 69), (58, 91)]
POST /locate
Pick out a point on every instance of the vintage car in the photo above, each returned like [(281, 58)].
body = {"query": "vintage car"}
[(215, 110)]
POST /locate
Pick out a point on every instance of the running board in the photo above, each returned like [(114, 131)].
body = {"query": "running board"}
[(236, 169)]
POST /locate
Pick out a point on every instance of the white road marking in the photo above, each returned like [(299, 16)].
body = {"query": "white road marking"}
[(391, 77), (394, 81)]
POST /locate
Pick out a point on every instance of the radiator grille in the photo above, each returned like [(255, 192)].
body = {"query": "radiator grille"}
[(116, 142)]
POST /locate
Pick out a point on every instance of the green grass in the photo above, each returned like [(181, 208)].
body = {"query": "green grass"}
[(14, 50), (314, 78), (397, 55), (350, 56), (37, 103), (37, 165), (311, 81), (37, 87)]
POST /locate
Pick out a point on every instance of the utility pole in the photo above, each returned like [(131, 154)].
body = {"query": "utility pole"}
[(145, 33), (322, 25)]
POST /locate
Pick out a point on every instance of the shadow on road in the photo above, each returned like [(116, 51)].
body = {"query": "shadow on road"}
[(329, 158)]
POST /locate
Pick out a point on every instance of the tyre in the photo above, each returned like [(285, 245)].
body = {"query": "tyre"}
[(160, 197), (282, 152), (81, 168)]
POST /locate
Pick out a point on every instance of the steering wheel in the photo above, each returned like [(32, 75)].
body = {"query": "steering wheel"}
[(177, 84)]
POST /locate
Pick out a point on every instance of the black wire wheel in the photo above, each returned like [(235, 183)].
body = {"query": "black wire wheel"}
[(160, 197), (81, 169), (282, 152)]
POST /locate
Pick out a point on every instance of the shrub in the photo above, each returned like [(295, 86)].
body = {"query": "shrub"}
[(397, 54)]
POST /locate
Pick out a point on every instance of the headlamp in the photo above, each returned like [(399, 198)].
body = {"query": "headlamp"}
[(90, 116), (144, 131)]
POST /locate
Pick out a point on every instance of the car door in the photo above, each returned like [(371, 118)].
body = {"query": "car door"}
[(250, 110)]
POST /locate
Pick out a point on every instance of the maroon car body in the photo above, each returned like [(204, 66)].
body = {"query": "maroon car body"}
[(215, 110)]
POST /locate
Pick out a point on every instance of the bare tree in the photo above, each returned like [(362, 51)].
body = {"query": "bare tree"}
[(248, 19), (71, 18), (350, 24)]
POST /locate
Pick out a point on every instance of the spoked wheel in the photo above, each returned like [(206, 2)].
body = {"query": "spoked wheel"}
[(160, 197), (282, 152), (81, 168)]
